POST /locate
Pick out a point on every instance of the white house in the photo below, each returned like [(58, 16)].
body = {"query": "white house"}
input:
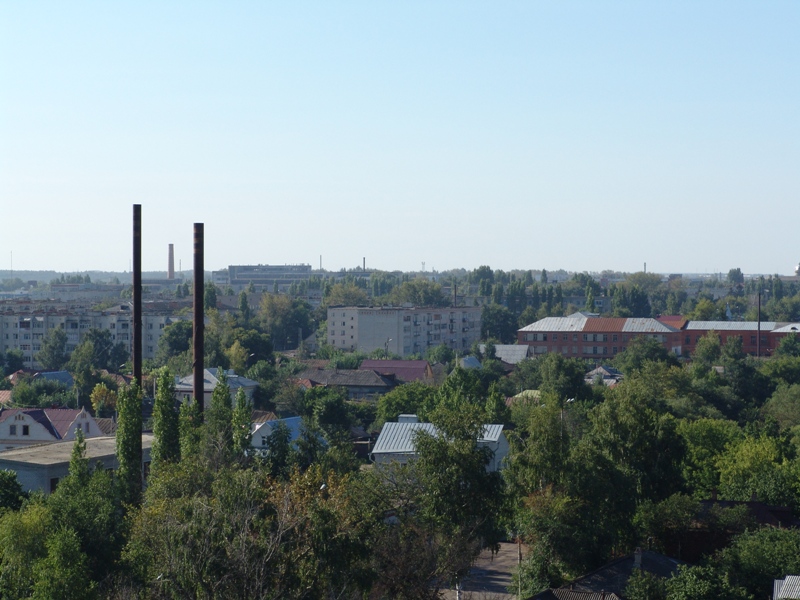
[(396, 442), (31, 426), (262, 431)]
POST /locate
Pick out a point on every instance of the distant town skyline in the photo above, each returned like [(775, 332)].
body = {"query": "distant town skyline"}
[(577, 136)]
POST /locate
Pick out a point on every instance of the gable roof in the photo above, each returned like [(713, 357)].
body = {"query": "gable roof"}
[(510, 353), (404, 370), (788, 588), (293, 424), (345, 378), (62, 377), (56, 421), (210, 381), (398, 438), (5, 396)]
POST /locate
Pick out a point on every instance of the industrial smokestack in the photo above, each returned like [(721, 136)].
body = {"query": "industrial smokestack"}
[(137, 294), (198, 325), (171, 263)]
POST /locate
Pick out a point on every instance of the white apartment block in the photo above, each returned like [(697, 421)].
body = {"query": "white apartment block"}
[(403, 331), (24, 327)]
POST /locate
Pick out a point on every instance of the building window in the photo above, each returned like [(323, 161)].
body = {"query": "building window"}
[(53, 484), (26, 430), (12, 430)]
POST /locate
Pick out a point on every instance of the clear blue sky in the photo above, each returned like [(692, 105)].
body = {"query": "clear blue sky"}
[(576, 135)]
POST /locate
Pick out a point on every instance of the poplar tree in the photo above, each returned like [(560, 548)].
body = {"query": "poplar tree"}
[(166, 434), (129, 443), (242, 420)]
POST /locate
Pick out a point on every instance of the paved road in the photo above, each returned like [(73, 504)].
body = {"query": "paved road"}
[(490, 578)]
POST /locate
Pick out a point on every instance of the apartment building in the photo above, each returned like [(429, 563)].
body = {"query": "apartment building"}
[(403, 330), (23, 325)]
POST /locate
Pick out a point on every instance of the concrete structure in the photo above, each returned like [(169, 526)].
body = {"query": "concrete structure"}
[(396, 442), (23, 325), (403, 330), (184, 386), (40, 468), (21, 427), (600, 338), (263, 277)]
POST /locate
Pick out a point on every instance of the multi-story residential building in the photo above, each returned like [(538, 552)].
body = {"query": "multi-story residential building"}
[(23, 325), (599, 338), (403, 330)]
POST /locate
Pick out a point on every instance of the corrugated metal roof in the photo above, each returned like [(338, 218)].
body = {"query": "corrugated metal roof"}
[(787, 589), (510, 353), (729, 326), (641, 325), (557, 324), (604, 324), (398, 438), (789, 328)]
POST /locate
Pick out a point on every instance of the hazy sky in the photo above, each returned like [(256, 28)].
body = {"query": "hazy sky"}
[(576, 135)]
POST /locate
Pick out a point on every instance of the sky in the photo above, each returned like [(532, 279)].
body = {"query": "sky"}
[(521, 135)]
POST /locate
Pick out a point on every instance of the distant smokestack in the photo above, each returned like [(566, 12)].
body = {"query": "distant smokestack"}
[(364, 268), (171, 263), (137, 294), (198, 389)]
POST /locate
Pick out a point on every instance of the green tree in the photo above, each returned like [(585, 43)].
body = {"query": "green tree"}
[(129, 443), (104, 400), (789, 346), (11, 495), (499, 323), (283, 318), (63, 574), (346, 295), (640, 351), (209, 297), (53, 355), (409, 398), (219, 428), (244, 307), (176, 339), (242, 420), (190, 425), (166, 434)]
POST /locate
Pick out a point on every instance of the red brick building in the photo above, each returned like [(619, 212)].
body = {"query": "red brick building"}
[(601, 338)]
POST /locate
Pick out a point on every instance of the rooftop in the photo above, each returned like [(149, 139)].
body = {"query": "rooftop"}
[(61, 452)]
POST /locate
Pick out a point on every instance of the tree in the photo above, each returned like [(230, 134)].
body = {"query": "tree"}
[(703, 583), (53, 355), (63, 574), (11, 494), (219, 432), (409, 398), (346, 295), (209, 297), (735, 276), (639, 352), (166, 433), (14, 361), (284, 318), (104, 400), (129, 443), (242, 420), (498, 322), (419, 292), (244, 307), (176, 339), (789, 346)]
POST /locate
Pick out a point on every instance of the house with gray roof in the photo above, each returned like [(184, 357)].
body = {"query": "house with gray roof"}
[(184, 386), (397, 442), (40, 468), (32, 426), (787, 588), (360, 384)]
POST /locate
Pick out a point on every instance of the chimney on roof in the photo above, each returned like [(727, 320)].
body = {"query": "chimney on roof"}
[(407, 419), (171, 263)]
